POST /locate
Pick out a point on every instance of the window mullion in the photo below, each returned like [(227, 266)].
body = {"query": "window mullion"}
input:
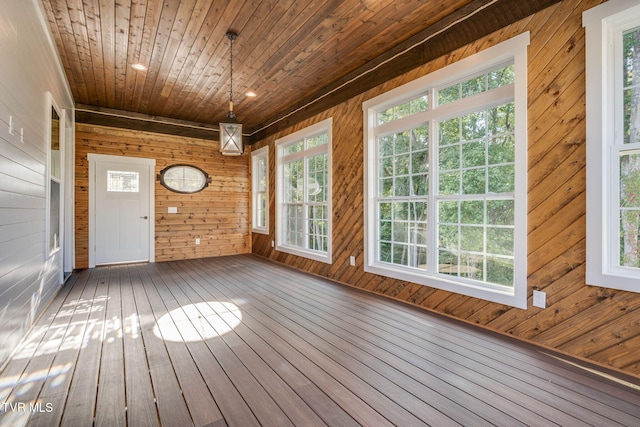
[(305, 199), (395, 234), (310, 242), (432, 209), (613, 229)]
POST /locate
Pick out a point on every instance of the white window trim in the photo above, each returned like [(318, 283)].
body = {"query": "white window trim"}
[(51, 103), (259, 154), (513, 49), (323, 126), (603, 24)]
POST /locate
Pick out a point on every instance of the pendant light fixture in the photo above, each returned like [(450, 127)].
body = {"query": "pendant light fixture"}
[(231, 129)]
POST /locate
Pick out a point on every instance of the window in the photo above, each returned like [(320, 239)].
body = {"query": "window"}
[(303, 207), (260, 190), (446, 177), (55, 181), (123, 182), (186, 179), (613, 144)]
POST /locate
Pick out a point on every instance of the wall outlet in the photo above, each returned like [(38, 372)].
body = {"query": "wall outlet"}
[(540, 299), (273, 243), (172, 209), (197, 240), (352, 261)]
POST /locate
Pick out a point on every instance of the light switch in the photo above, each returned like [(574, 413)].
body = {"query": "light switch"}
[(173, 209)]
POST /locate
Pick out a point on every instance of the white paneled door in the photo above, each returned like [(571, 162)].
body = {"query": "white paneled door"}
[(123, 210)]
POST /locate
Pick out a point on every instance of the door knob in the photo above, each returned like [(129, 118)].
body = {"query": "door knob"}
[(144, 217)]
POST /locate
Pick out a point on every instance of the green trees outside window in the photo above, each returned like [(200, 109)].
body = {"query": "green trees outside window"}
[(629, 207), (472, 194)]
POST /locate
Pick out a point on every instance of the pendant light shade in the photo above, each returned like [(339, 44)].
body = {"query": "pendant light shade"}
[(231, 129), (231, 136)]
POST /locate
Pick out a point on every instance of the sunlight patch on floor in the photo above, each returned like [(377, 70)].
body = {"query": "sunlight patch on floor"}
[(198, 322)]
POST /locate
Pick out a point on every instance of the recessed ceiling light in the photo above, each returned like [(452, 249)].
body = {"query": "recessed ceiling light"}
[(251, 94), (139, 67)]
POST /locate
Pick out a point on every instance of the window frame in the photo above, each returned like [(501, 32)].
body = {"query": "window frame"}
[(55, 206), (604, 26), (317, 129), (162, 177), (514, 49), (257, 156)]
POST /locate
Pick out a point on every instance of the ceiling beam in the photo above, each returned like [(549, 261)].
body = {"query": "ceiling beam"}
[(126, 119)]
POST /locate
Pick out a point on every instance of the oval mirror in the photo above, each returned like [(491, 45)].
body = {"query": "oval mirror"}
[(184, 178)]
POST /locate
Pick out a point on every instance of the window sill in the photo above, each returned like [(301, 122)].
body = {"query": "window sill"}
[(316, 256), (446, 283)]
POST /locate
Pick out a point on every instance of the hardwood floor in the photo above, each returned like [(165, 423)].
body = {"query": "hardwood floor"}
[(240, 341)]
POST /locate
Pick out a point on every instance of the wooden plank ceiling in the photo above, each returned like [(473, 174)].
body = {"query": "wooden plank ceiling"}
[(298, 57)]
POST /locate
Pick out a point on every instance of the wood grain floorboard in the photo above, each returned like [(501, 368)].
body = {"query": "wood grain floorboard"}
[(455, 355), (43, 344), (201, 405), (70, 316), (172, 406), (141, 407), (242, 341), (274, 353), (290, 403), (397, 363), (80, 403), (111, 401), (334, 356), (532, 366), (301, 355)]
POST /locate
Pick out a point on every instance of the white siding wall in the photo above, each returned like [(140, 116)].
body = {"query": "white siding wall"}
[(29, 70)]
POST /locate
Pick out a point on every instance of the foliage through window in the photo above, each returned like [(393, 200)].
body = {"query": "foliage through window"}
[(478, 84), (303, 205), (408, 108), (613, 144), (475, 195), (260, 190), (445, 172), (629, 206)]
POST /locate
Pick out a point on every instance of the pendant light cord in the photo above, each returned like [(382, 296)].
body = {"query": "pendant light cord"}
[(231, 36), (231, 70)]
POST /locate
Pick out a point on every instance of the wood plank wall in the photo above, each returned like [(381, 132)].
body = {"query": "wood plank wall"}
[(218, 215), (589, 322)]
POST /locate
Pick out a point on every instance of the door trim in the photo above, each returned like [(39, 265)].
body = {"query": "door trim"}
[(97, 158)]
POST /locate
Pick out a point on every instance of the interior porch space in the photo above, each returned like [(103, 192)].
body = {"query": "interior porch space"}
[(242, 341)]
